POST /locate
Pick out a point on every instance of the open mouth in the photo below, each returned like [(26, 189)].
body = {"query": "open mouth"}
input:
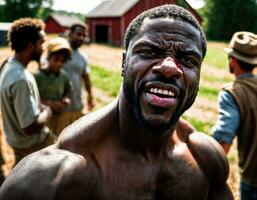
[(162, 92), (161, 97)]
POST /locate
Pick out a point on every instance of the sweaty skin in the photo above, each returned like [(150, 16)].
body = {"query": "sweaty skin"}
[(134, 148)]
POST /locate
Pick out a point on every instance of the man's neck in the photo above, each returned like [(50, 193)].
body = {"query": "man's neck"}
[(241, 73), (23, 58)]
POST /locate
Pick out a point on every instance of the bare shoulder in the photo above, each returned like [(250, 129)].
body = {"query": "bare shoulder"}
[(47, 174), (209, 155), (89, 129)]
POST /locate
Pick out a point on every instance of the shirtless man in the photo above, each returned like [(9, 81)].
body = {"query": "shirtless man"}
[(136, 148)]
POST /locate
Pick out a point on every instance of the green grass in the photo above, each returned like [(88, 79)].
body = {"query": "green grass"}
[(106, 80), (208, 92), (201, 126), (216, 57), (213, 79)]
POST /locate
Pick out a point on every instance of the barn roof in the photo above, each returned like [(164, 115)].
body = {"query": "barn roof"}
[(112, 8), (66, 20)]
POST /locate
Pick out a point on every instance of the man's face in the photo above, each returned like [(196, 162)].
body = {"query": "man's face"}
[(56, 61), (38, 47), (161, 71), (77, 37)]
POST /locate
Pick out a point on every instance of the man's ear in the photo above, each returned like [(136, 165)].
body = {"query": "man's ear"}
[(30, 47), (123, 62), (234, 62)]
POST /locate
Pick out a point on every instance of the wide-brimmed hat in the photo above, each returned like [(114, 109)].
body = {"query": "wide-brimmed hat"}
[(58, 44), (243, 46)]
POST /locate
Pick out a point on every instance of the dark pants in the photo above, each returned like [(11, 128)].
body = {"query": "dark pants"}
[(248, 192)]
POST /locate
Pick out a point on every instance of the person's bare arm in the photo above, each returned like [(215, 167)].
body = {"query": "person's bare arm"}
[(214, 164), (87, 84), (39, 122), (49, 174)]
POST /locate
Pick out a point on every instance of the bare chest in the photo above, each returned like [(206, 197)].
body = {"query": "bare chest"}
[(176, 179)]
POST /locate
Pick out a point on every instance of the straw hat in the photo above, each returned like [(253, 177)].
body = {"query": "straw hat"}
[(243, 46), (58, 44)]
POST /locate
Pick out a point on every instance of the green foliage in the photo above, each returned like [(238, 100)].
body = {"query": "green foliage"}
[(106, 80), (228, 16), (182, 3), (15, 9), (64, 12)]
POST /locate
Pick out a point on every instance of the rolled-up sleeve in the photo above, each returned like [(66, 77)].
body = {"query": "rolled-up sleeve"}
[(228, 119)]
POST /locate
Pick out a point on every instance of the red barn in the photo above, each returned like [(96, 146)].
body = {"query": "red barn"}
[(57, 23), (108, 21)]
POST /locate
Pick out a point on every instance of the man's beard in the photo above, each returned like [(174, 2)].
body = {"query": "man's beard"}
[(35, 56), (76, 44), (134, 101)]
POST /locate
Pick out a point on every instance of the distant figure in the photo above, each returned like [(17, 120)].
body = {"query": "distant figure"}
[(54, 83), (238, 110), (136, 148), (77, 69), (23, 116)]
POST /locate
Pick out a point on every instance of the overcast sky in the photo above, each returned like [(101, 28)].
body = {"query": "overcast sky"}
[(84, 6)]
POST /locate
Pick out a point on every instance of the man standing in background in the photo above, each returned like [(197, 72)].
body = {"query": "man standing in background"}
[(23, 115), (77, 69), (238, 110)]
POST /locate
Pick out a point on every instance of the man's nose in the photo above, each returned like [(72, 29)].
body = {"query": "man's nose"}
[(82, 37), (168, 67)]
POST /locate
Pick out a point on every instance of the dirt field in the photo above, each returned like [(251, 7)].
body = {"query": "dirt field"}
[(110, 58)]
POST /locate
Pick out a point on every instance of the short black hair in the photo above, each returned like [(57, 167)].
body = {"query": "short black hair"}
[(74, 26), (168, 10), (24, 31)]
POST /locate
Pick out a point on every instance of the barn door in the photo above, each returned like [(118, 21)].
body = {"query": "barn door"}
[(101, 34)]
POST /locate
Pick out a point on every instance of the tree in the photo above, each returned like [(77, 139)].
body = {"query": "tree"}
[(14, 9), (224, 17)]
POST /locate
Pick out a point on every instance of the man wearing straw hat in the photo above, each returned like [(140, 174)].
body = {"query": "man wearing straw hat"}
[(238, 110)]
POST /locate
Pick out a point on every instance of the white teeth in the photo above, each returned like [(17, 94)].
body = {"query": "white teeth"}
[(171, 93), (161, 91)]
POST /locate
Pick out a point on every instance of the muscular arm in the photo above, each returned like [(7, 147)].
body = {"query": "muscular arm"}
[(49, 174), (213, 162)]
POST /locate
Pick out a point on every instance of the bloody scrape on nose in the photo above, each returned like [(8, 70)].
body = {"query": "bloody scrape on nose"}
[(168, 67)]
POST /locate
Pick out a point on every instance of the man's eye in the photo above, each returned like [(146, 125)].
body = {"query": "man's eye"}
[(147, 53), (189, 62)]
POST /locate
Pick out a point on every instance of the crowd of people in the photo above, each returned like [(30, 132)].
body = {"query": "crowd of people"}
[(35, 108), (138, 146)]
